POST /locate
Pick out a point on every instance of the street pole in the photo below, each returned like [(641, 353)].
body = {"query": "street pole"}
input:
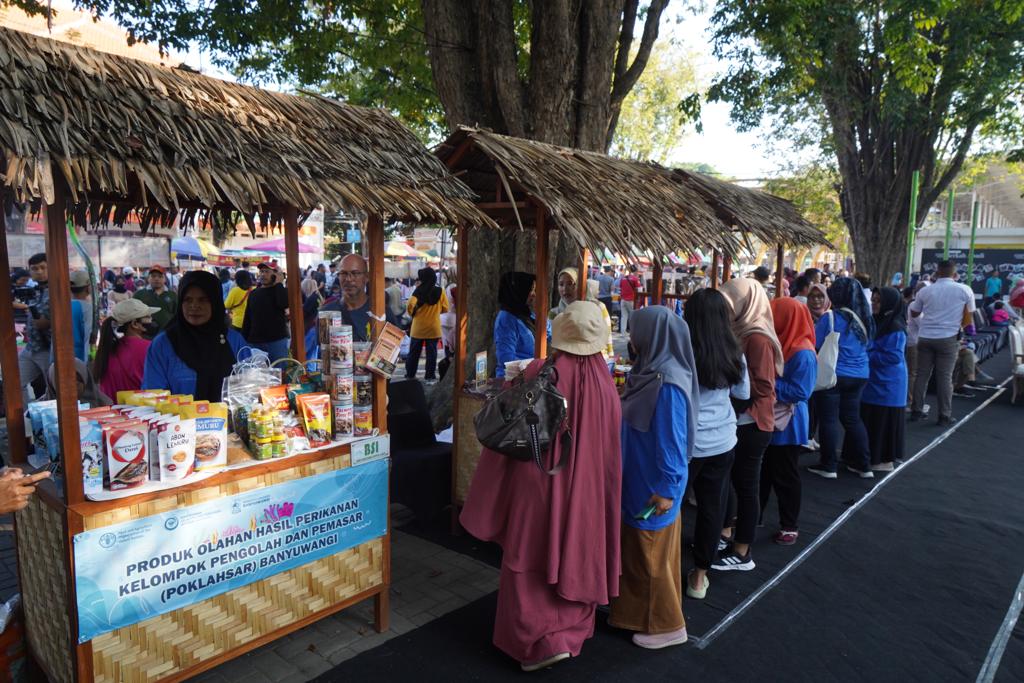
[(976, 210), (949, 226), (912, 226)]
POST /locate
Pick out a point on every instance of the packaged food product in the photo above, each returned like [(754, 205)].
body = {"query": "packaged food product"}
[(279, 446), (275, 397), (341, 348), (341, 388), (127, 454), (295, 390), (138, 398), (360, 357), (362, 421), (384, 354), (315, 410), (211, 433), (263, 448), (325, 320), (91, 445), (175, 455), (342, 419), (362, 391)]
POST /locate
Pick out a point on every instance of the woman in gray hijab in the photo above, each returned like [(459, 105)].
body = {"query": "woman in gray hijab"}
[(659, 410)]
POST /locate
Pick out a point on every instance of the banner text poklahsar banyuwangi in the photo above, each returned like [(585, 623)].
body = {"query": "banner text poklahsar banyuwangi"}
[(132, 571)]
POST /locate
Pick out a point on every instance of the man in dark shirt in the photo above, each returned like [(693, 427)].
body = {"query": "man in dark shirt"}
[(265, 326), (605, 281), (354, 303)]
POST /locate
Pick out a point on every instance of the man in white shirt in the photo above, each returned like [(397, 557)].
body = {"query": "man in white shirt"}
[(940, 308)]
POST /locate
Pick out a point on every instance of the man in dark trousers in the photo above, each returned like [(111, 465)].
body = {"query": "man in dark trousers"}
[(265, 326)]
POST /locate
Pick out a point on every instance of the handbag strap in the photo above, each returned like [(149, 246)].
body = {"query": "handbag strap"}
[(566, 440)]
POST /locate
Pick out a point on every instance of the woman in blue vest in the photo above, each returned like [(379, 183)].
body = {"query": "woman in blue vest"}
[(514, 326), (885, 396), (780, 469)]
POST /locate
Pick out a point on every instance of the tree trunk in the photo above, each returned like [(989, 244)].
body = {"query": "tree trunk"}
[(579, 72)]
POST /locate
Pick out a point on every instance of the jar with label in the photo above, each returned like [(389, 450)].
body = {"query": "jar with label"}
[(263, 448), (278, 446), (362, 418), (362, 391)]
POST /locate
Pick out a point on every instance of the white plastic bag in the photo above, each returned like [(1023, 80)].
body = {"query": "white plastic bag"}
[(828, 355)]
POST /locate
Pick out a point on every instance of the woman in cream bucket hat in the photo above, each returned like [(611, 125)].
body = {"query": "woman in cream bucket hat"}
[(559, 534), (121, 354)]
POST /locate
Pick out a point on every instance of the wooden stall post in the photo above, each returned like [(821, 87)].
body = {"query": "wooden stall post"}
[(60, 322), (542, 298), (584, 269), (726, 268), (14, 402), (658, 284), (375, 242), (714, 269), (781, 254), (291, 256)]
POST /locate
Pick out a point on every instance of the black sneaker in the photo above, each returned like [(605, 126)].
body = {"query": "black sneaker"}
[(946, 421), (724, 543), (917, 415), (963, 393), (732, 562)]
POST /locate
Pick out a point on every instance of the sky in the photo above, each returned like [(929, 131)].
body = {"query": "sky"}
[(739, 155)]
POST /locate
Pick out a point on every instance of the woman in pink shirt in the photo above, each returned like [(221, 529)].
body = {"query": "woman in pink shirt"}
[(121, 355)]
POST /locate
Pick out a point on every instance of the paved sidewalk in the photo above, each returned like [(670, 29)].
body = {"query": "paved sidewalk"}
[(427, 581)]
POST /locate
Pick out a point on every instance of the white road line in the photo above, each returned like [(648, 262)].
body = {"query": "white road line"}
[(995, 653), (709, 637)]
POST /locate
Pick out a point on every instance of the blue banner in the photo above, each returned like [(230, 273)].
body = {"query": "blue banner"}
[(129, 572)]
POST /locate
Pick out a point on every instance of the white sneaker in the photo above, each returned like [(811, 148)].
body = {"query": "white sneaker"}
[(544, 663), (866, 474), (822, 472), (882, 467), (811, 445)]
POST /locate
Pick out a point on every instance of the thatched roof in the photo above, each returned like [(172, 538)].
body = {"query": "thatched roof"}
[(771, 219), (599, 200), (117, 127)]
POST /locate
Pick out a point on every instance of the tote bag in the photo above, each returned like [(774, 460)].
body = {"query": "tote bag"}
[(828, 355)]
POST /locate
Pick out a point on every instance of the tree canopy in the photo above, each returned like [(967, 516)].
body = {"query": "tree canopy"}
[(887, 87)]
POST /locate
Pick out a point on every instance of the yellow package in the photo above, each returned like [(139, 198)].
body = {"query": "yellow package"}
[(211, 432), (132, 397)]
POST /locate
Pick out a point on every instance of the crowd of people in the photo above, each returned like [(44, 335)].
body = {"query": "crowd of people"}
[(718, 407)]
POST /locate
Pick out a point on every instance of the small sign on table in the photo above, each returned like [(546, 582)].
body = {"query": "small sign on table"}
[(368, 450)]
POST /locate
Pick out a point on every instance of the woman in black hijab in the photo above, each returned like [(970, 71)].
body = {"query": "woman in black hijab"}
[(513, 328), (885, 396), (198, 349), (425, 307)]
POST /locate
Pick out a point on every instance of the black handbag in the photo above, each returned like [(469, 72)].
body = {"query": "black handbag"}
[(525, 420)]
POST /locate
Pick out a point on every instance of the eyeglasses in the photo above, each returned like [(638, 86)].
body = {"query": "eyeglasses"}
[(351, 273)]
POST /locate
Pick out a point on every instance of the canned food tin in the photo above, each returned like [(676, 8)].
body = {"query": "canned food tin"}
[(362, 419), (343, 419), (362, 391)]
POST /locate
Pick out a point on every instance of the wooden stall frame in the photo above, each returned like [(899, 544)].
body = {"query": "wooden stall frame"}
[(779, 269), (74, 508)]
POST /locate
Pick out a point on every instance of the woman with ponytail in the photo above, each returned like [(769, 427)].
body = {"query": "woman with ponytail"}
[(121, 355)]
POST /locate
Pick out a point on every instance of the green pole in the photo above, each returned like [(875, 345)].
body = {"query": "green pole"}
[(949, 226), (912, 226), (974, 232)]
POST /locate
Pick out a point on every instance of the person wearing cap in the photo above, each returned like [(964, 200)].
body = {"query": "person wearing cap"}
[(265, 325), (129, 278), (81, 313), (559, 533), (157, 295), (121, 353)]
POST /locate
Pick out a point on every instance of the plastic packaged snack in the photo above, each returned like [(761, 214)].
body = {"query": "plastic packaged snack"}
[(275, 397), (211, 433), (91, 445), (127, 454), (175, 455), (315, 410)]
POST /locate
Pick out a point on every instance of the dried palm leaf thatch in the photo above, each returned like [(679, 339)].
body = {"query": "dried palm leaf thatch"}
[(175, 139), (602, 202), (770, 219)]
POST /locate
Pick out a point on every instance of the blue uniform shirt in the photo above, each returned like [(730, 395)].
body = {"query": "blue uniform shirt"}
[(887, 385), (796, 386), (513, 340), (655, 461), (853, 353), (164, 370)]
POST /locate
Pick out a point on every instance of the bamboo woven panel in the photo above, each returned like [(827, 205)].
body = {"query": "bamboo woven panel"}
[(185, 499), (468, 453), (173, 642), (44, 590)]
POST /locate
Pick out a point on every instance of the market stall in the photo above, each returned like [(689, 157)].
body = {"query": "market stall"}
[(597, 201), (156, 567)]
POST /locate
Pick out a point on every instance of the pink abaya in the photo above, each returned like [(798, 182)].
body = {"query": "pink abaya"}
[(559, 534)]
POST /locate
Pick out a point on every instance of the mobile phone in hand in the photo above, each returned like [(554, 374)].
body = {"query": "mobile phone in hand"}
[(646, 512)]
